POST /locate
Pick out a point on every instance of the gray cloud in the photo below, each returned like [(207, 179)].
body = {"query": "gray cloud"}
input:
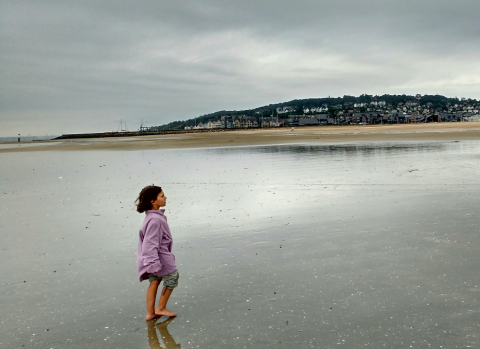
[(81, 67)]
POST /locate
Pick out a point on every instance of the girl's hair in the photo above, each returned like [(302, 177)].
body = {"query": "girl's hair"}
[(146, 196)]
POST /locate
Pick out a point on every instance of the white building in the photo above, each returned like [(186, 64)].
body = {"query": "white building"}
[(359, 105), (283, 110)]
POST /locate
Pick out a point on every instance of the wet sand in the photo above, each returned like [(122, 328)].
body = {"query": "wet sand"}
[(358, 245), (325, 134)]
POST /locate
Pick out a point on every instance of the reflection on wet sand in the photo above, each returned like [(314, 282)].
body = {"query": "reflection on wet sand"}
[(168, 341), (301, 246)]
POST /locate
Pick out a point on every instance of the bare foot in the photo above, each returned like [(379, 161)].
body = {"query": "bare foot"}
[(149, 317), (164, 312)]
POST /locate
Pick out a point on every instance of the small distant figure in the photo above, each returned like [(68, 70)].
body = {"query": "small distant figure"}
[(155, 261), (293, 128)]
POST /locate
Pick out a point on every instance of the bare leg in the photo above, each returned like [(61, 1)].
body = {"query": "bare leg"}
[(151, 296), (162, 304)]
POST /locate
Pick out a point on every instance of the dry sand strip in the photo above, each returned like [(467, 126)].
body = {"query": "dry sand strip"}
[(307, 134)]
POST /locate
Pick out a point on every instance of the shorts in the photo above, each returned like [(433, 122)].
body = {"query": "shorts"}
[(170, 281)]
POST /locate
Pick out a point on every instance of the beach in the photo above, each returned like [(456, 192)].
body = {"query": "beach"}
[(312, 134), (353, 237)]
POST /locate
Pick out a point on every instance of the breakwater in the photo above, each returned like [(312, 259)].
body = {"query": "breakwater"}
[(143, 133)]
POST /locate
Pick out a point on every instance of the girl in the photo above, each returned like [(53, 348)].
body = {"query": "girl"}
[(155, 260)]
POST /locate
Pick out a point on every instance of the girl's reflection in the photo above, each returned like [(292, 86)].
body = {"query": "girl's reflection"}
[(168, 340)]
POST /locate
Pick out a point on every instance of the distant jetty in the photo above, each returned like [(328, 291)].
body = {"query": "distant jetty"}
[(136, 133)]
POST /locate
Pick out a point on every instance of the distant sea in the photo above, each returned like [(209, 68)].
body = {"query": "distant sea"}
[(27, 138)]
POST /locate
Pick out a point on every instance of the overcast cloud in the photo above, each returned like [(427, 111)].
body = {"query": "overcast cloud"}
[(69, 67)]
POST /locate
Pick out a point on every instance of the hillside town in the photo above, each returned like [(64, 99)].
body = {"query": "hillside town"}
[(346, 110), (348, 113)]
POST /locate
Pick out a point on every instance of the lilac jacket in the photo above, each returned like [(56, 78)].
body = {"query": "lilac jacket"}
[(154, 252)]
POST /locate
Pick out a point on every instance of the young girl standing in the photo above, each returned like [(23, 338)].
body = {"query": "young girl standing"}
[(155, 260)]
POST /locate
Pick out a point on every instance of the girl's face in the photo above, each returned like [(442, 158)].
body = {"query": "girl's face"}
[(161, 201)]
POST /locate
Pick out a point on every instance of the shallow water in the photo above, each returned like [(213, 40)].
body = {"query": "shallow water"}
[(296, 246)]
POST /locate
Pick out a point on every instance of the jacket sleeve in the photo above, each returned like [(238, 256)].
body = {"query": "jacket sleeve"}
[(151, 246)]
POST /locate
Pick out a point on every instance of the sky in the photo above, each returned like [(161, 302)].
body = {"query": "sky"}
[(83, 66)]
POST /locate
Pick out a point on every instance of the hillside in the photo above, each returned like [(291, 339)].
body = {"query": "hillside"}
[(333, 106)]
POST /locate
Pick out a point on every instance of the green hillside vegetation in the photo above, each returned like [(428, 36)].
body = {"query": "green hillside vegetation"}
[(435, 103)]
